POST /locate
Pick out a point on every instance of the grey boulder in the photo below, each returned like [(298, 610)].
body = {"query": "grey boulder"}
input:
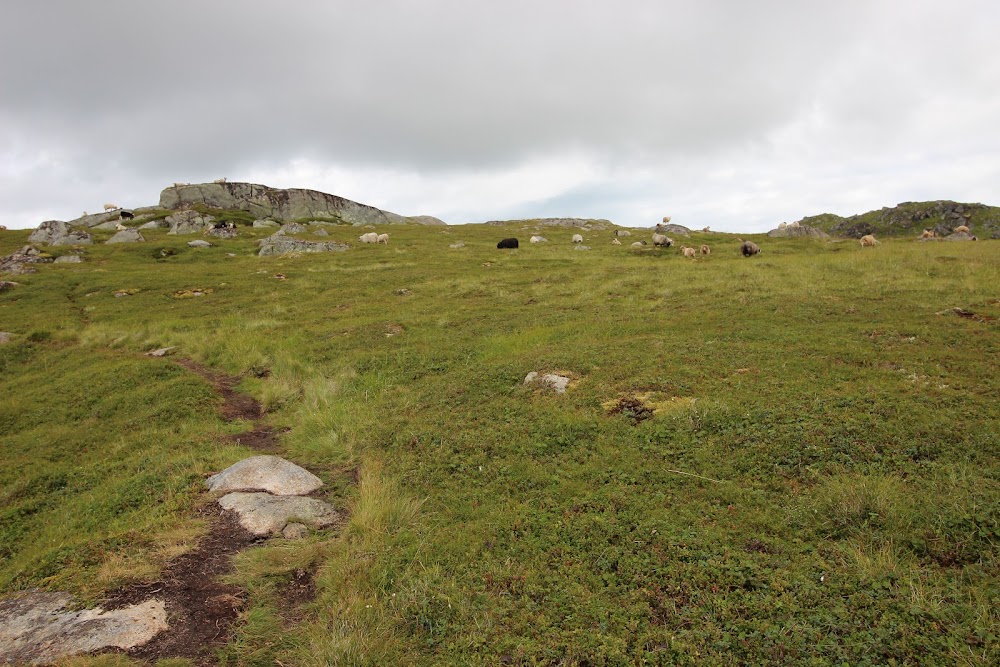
[(265, 473), (69, 259), (264, 514), (127, 236), (188, 222), (199, 243), (277, 244), (557, 382)]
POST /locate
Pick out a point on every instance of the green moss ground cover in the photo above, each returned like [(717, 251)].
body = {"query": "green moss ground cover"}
[(822, 488)]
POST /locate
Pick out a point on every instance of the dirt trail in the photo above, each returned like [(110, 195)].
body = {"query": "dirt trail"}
[(200, 608)]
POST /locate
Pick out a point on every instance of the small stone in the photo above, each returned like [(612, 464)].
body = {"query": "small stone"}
[(8, 285), (162, 352), (557, 382), (295, 531), (199, 244), (68, 259), (581, 247), (5, 337), (127, 236), (457, 245)]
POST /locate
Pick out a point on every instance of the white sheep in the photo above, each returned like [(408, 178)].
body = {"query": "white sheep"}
[(370, 237), (638, 244), (220, 181), (961, 229), (689, 252), (662, 240), (615, 242), (622, 232), (577, 238), (111, 207), (537, 239), (382, 238), (120, 227), (868, 241), (666, 219), (180, 185)]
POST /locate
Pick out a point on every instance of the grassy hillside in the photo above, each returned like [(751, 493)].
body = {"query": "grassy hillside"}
[(910, 218), (820, 482)]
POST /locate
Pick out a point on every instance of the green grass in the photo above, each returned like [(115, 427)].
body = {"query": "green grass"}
[(843, 434)]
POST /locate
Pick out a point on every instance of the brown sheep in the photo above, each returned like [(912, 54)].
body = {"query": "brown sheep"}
[(615, 242), (869, 241), (689, 252), (749, 248), (705, 250), (928, 234)]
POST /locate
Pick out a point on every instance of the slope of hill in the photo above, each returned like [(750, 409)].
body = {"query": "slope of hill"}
[(784, 459), (911, 218)]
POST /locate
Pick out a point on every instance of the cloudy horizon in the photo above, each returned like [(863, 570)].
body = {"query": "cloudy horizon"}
[(732, 115)]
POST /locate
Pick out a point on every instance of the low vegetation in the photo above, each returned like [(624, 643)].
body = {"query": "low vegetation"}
[(784, 459)]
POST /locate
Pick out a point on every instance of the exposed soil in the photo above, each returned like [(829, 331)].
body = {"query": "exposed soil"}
[(633, 408), (200, 609), (295, 594), (235, 405)]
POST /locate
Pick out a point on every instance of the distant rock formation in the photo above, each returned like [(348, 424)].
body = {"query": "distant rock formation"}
[(582, 223), (798, 230), (282, 205), (911, 218), (56, 232), (670, 228)]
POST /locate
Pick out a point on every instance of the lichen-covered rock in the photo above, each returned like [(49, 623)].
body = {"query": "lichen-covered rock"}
[(264, 514), (557, 382), (798, 230), (155, 224), (127, 236), (188, 222), (68, 259), (36, 629), (267, 202), (56, 232), (222, 232), (278, 244), (199, 243), (20, 262), (265, 473), (292, 228), (259, 224)]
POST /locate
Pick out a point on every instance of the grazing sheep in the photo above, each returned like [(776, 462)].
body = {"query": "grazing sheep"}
[(126, 215), (750, 248), (689, 252), (180, 185), (662, 240), (705, 229), (507, 243), (111, 207), (85, 214), (220, 181), (615, 242), (638, 244), (537, 239), (622, 232), (782, 225), (370, 237), (577, 238), (869, 241), (705, 250), (666, 219), (120, 227), (793, 225), (928, 234), (382, 238), (960, 228)]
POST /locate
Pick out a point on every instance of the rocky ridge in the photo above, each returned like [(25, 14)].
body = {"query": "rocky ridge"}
[(911, 218)]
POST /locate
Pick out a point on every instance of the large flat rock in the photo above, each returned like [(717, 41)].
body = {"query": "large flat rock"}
[(35, 629), (265, 473), (264, 514)]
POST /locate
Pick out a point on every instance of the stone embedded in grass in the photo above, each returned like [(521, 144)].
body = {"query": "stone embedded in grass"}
[(265, 473), (5, 337), (126, 292), (34, 629), (68, 259), (200, 243), (127, 236), (8, 285), (258, 224), (277, 244), (581, 247), (292, 228), (557, 382), (188, 222), (264, 514), (457, 245), (162, 352), (155, 224), (295, 531)]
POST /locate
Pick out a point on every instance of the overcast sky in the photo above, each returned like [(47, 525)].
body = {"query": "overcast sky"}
[(732, 114)]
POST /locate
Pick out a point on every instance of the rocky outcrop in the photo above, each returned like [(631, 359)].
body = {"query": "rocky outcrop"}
[(127, 236), (19, 263), (56, 232), (582, 223), (279, 244), (278, 204), (188, 222), (671, 228), (292, 228), (263, 224), (68, 259), (265, 473), (798, 230), (36, 628), (911, 218)]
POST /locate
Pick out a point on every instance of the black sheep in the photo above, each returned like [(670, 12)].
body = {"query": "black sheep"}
[(507, 243), (749, 248), (126, 215)]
